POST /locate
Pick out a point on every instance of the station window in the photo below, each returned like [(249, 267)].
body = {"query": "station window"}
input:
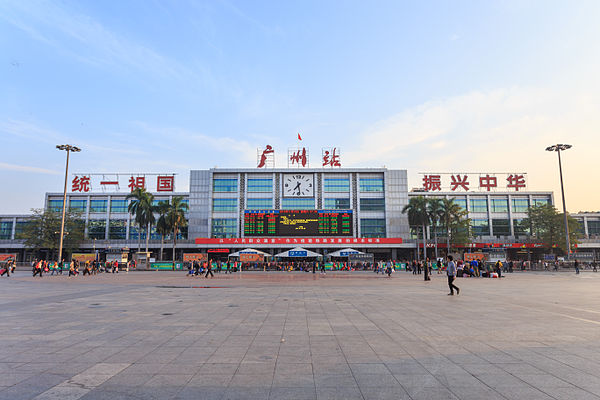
[(98, 206), (479, 205), (501, 227), (259, 204), (520, 205), (77, 205), (117, 229), (297, 204), (541, 201), (136, 232), (372, 227), (20, 228), (224, 228), (97, 229), (264, 185), (480, 227), (520, 228), (371, 184), (118, 206), (157, 202), (225, 184), (339, 185), (336, 204), (224, 205), (55, 205), (499, 205), (461, 202), (6, 230), (593, 228), (372, 204)]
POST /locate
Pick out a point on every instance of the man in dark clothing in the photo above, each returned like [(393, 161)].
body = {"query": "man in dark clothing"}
[(209, 270), (451, 271)]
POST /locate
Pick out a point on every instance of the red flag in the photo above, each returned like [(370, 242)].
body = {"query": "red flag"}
[(299, 137)]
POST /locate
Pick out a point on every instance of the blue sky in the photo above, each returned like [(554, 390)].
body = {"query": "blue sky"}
[(151, 86)]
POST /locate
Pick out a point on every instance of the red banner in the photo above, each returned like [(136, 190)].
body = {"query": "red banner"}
[(488, 245), (296, 241)]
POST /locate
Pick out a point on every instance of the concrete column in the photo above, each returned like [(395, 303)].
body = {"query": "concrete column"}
[(489, 214), (107, 217), (510, 221), (14, 228)]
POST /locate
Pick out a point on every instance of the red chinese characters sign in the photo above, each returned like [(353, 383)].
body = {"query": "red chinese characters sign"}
[(266, 158), (298, 157), (165, 183), (137, 182), (115, 182), (461, 182), (81, 184), (331, 157)]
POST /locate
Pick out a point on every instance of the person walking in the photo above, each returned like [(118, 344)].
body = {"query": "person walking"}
[(209, 270), (451, 272), (576, 267)]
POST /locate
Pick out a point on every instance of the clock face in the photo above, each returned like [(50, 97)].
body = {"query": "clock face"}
[(298, 185)]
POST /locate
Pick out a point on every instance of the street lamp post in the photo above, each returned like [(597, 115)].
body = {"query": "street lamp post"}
[(558, 148), (68, 148)]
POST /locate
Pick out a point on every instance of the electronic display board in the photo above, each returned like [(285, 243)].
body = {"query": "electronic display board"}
[(313, 223)]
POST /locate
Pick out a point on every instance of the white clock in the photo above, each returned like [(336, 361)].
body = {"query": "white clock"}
[(298, 185)]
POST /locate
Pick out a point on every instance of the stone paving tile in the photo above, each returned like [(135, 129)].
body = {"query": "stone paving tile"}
[(287, 335)]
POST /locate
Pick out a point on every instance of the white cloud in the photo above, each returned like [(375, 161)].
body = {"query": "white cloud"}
[(27, 168), (501, 130)]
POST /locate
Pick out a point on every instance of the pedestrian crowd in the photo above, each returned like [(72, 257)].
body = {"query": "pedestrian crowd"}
[(76, 267)]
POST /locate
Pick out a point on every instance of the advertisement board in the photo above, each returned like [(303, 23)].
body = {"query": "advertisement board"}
[(190, 257), (251, 257), (474, 256), (298, 223), (8, 256), (83, 257)]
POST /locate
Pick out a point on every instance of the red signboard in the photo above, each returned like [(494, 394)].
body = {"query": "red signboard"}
[(489, 245), (217, 251), (295, 241), (8, 256)]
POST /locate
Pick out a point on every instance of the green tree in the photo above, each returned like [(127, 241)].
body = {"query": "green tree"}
[(142, 209), (416, 209), (176, 219), (455, 222), (163, 228), (546, 224), (434, 214), (42, 231)]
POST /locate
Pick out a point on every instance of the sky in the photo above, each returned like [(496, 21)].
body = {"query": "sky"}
[(428, 86)]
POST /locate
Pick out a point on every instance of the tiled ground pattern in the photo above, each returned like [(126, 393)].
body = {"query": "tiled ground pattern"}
[(160, 335)]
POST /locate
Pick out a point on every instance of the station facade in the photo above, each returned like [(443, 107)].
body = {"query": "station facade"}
[(276, 209)]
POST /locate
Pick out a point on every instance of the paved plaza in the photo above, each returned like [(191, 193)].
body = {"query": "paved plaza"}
[(161, 335)]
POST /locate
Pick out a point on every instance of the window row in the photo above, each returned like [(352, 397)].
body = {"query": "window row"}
[(231, 204), (98, 205), (330, 185)]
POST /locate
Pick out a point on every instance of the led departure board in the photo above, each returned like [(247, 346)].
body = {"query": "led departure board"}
[(298, 223)]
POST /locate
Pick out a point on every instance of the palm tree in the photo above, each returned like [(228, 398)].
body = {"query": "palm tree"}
[(143, 211), (450, 212), (434, 211), (162, 224), (176, 219), (417, 216)]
